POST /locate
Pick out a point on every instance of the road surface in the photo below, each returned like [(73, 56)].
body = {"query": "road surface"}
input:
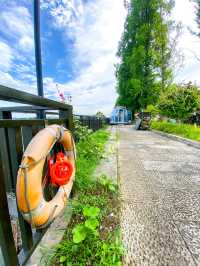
[(160, 193)]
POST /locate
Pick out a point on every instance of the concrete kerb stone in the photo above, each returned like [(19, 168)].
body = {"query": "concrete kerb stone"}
[(189, 142)]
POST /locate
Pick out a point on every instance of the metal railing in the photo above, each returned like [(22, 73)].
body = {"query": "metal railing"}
[(92, 122), (15, 134)]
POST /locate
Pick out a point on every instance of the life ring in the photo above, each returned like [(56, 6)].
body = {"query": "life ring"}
[(30, 198)]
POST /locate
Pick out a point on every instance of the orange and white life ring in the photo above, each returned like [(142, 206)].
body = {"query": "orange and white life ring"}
[(31, 203)]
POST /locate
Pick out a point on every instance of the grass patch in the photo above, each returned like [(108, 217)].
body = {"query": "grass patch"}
[(89, 153), (183, 130), (93, 235)]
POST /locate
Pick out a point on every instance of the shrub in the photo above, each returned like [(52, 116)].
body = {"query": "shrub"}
[(81, 133), (179, 101), (152, 109)]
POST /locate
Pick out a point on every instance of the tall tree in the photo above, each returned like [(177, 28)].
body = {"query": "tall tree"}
[(198, 16), (144, 52), (164, 51)]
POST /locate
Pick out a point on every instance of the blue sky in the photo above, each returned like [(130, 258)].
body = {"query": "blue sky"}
[(79, 44)]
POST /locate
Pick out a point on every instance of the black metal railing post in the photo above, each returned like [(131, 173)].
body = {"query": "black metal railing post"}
[(4, 152), (7, 243)]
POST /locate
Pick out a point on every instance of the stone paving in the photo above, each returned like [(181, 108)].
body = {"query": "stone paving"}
[(160, 190)]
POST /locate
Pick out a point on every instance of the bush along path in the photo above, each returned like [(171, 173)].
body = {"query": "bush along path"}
[(93, 235)]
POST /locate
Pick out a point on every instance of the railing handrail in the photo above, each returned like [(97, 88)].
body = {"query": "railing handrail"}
[(24, 109), (13, 95)]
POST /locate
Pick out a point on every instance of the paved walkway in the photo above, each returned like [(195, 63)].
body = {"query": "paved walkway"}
[(160, 186)]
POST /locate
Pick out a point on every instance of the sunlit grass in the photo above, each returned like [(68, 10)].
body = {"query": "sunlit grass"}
[(184, 130)]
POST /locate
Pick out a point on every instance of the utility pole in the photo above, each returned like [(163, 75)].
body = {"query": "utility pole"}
[(38, 57)]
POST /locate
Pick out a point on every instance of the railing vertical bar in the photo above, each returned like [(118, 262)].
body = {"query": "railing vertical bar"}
[(64, 115), (7, 243), (4, 154), (89, 122), (12, 154), (36, 129), (27, 135), (70, 119)]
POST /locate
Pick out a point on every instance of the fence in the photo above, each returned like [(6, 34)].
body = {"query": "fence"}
[(15, 134), (92, 122)]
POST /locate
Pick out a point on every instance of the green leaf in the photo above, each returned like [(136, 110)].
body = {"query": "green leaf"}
[(95, 233), (69, 263), (118, 263), (103, 180), (91, 223), (74, 248), (79, 233), (63, 259), (92, 212), (112, 187), (105, 247)]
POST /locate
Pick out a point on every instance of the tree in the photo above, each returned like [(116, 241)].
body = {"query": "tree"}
[(145, 54), (179, 101), (197, 17), (100, 115), (165, 47)]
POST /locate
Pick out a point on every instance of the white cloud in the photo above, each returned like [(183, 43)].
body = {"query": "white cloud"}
[(16, 22), (65, 12), (6, 56), (17, 67), (96, 34), (8, 80), (26, 43)]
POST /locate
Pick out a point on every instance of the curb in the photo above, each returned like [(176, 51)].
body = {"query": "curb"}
[(188, 142), (51, 238)]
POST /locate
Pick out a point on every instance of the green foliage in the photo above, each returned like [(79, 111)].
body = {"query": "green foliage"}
[(100, 115), (107, 183), (79, 233), (183, 130), (91, 212), (145, 53), (92, 224), (152, 109), (89, 239), (81, 133), (197, 17), (83, 231), (89, 152), (179, 101)]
